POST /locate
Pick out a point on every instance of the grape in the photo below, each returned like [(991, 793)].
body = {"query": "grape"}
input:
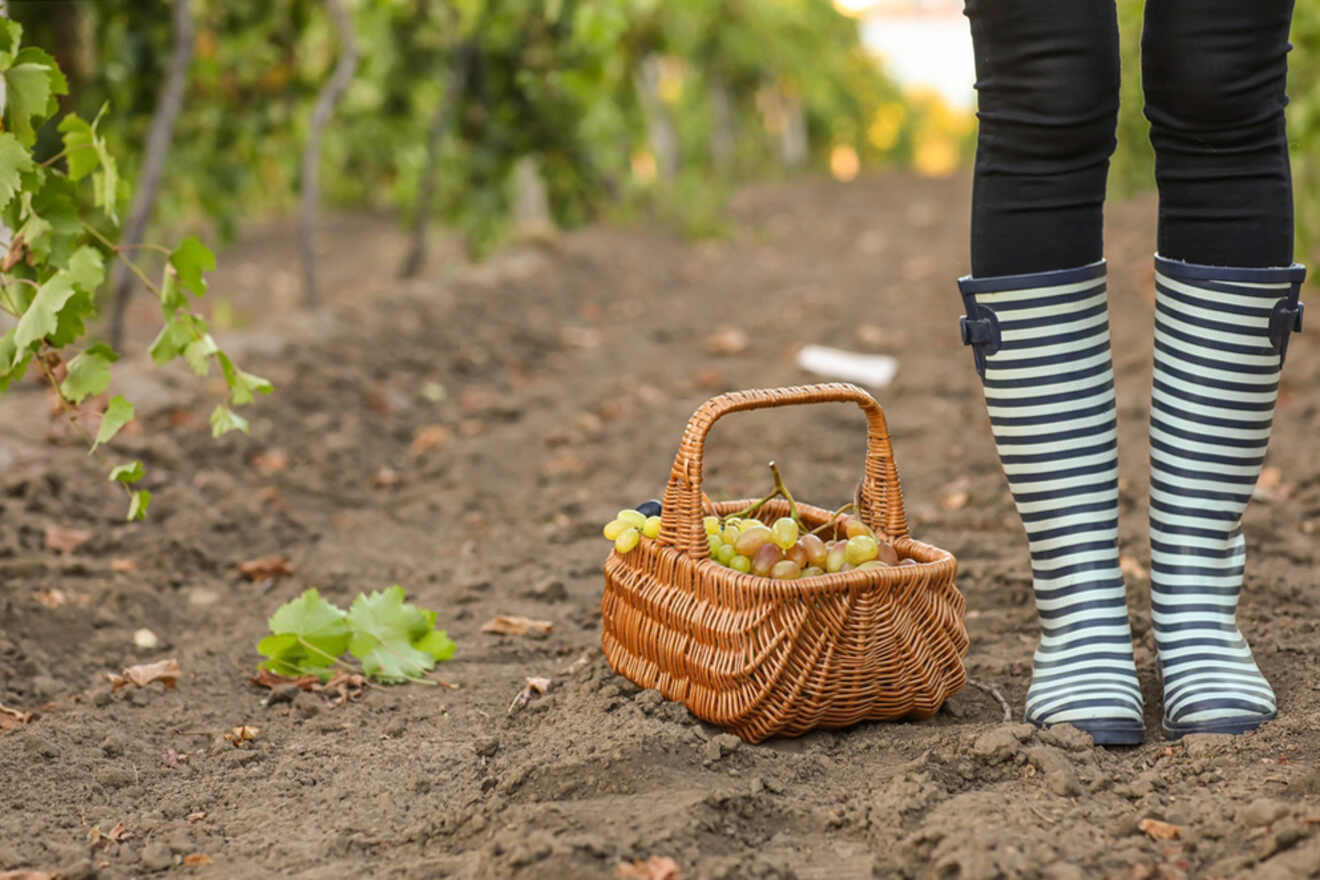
[(847, 566), (631, 517), (871, 563), (815, 548), (649, 508), (852, 527), (613, 528), (627, 540), (652, 526), (786, 570), (836, 557), (797, 553), (861, 548), (751, 540), (909, 561), (765, 558), (714, 542), (740, 563), (784, 532), (887, 554), (729, 534), (737, 522), (812, 571), (725, 553), (712, 524)]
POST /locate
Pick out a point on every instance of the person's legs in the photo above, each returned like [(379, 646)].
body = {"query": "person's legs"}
[(1226, 300), (1047, 76)]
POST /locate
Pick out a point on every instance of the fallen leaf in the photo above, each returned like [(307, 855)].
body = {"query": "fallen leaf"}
[(172, 758), (1157, 830), (510, 625), (119, 833), (164, 671), (385, 478), (347, 685), (194, 818), (534, 685), (428, 438), (196, 860), (241, 734), (654, 868), (11, 718), (263, 567), (272, 461), (267, 679), (25, 874), (52, 598), (955, 500), (1270, 486), (1130, 567), (121, 565), (99, 839), (63, 540), (727, 340)]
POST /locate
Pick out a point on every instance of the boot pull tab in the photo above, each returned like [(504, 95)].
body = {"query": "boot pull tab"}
[(1285, 319), (980, 329)]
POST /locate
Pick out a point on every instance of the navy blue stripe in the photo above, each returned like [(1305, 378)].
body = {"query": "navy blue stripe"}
[(1209, 421), (1075, 529), (1069, 415), (969, 285), (1236, 442), (1220, 402), (1047, 594), (1213, 344), (1057, 397), (1257, 311), (1194, 512), (1033, 381), (1212, 552), (1090, 507), (998, 362), (1017, 480), (1054, 437), (1162, 307), (1262, 707), (1049, 320), (1054, 339), (1088, 641), (1211, 475), (1068, 550), (1058, 494), (1061, 454), (1229, 365), (1206, 494), (1204, 624), (1197, 273), (1216, 384)]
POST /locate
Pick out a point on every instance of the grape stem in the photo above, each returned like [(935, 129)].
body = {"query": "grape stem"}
[(782, 489), (833, 517)]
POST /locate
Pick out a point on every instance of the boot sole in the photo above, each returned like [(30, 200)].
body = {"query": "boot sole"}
[(1110, 731), (1226, 725)]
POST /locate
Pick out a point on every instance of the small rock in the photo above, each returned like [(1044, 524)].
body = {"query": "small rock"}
[(727, 742), (286, 694), (1263, 811), (157, 857), (307, 705), (396, 728), (180, 842), (113, 746), (1063, 870), (1065, 736), (1202, 745), (114, 777), (101, 697), (1060, 777), (1000, 743), (551, 589), (711, 751), (486, 748), (145, 639)]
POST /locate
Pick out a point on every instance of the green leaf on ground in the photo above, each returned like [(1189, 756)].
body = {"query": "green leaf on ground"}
[(190, 259), (309, 634), (127, 473), (15, 160), (224, 420), (393, 639), (116, 415), (137, 506)]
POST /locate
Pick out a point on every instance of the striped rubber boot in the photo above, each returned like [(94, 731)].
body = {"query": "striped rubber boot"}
[(1220, 339), (1041, 345)]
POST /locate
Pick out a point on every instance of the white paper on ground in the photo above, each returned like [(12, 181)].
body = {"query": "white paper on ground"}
[(875, 370)]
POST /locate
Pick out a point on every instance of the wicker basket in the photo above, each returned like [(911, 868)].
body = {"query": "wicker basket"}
[(764, 658)]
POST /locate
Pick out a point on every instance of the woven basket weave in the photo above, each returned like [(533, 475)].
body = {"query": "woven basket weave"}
[(762, 657)]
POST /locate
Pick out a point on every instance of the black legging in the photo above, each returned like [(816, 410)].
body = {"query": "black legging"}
[(1047, 72)]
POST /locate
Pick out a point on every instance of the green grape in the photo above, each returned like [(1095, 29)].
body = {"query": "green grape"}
[(652, 526), (835, 557), (812, 571), (736, 521), (725, 553), (631, 517), (784, 532), (714, 543), (861, 548), (712, 524), (627, 540), (871, 563), (740, 563), (613, 528), (729, 533)]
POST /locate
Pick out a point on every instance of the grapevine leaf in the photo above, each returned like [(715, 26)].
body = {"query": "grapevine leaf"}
[(89, 375), (171, 297), (117, 414), (224, 420), (13, 362), (198, 354), (31, 85), (87, 268), (14, 161), (127, 473), (87, 153), (190, 259), (309, 634), (172, 339), (241, 384), (388, 634), (11, 34), (42, 316), (437, 643), (51, 228), (137, 506)]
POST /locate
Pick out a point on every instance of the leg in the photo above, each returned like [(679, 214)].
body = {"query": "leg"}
[(1226, 300), (1048, 80)]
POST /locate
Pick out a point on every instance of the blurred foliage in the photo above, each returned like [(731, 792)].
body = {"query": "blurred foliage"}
[(1133, 166), (554, 80)]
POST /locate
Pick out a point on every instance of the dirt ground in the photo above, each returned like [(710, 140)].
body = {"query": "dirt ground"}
[(569, 369)]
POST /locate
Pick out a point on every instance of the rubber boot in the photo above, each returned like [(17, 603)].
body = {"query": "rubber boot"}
[(1220, 339), (1041, 345)]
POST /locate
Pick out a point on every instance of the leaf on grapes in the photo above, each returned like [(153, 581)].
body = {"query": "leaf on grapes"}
[(116, 415), (198, 354), (309, 634), (127, 473), (224, 420), (510, 625), (241, 384), (164, 671), (63, 540), (89, 373), (190, 259), (14, 160), (386, 633), (31, 84), (137, 505)]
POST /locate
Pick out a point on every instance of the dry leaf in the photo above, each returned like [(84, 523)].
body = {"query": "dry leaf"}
[(428, 438), (172, 758), (194, 818), (196, 860), (955, 500), (272, 461), (1130, 567), (654, 868), (727, 340), (121, 565), (63, 540), (347, 685), (1157, 830), (263, 567), (14, 255), (25, 874), (52, 598), (11, 718), (1270, 486), (267, 679), (241, 734), (509, 625), (164, 671), (534, 685), (385, 478)]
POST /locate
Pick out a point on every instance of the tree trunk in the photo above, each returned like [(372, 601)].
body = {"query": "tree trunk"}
[(325, 106), (158, 147), (660, 126), (440, 122)]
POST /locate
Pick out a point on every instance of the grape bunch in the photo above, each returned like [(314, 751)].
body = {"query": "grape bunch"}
[(629, 526), (782, 550)]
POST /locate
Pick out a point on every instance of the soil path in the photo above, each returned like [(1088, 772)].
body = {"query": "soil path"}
[(568, 371)]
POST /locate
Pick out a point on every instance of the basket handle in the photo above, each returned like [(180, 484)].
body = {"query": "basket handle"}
[(881, 495)]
